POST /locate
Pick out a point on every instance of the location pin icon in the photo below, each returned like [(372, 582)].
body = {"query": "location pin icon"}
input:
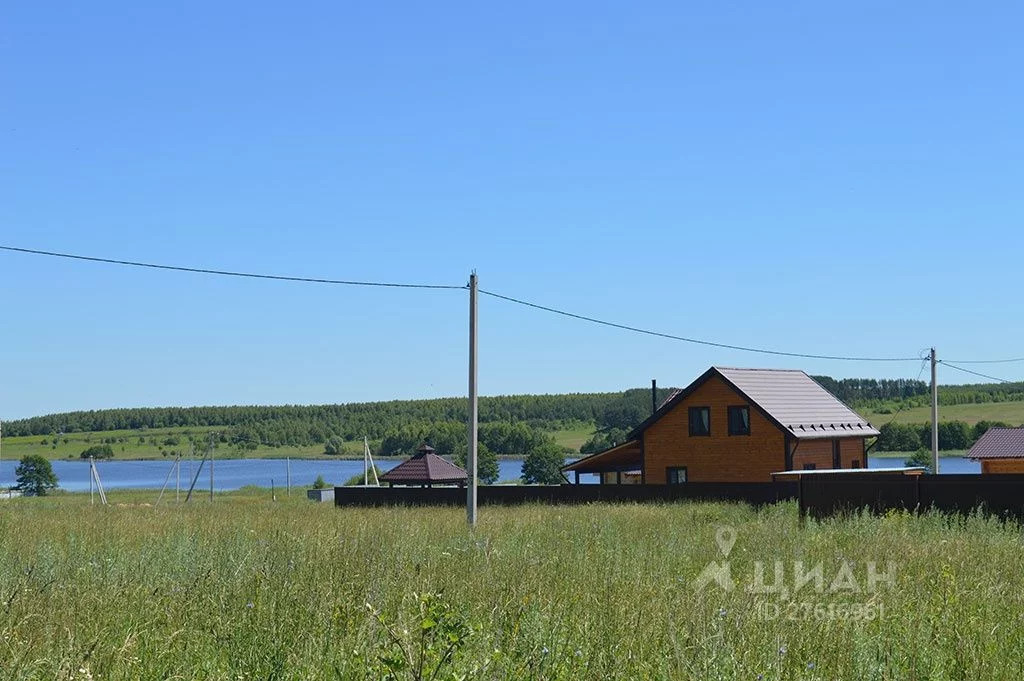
[(725, 537)]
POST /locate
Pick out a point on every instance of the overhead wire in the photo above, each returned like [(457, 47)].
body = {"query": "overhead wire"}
[(518, 301), (976, 373), (227, 273), (696, 341)]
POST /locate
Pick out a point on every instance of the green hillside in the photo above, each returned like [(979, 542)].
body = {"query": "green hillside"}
[(510, 425)]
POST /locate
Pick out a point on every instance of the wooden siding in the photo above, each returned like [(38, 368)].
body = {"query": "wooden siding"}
[(719, 457), (817, 452), (1001, 465), (852, 449), (820, 453)]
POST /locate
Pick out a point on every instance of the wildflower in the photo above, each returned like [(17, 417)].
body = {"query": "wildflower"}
[(544, 650), (250, 605), (810, 665), (782, 650), (722, 612)]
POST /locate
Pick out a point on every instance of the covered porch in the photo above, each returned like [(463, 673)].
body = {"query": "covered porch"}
[(619, 465)]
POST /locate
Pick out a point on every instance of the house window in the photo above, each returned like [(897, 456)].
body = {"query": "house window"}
[(675, 475), (810, 466), (739, 420), (700, 421)]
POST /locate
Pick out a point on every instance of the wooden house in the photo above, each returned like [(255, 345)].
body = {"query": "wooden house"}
[(1000, 450), (736, 425)]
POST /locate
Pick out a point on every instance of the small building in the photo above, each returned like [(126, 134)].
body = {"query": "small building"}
[(737, 425), (1000, 450), (426, 469)]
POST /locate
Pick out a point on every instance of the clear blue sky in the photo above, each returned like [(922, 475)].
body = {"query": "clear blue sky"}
[(833, 178)]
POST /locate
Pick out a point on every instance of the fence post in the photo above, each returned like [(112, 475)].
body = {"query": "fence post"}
[(800, 496)]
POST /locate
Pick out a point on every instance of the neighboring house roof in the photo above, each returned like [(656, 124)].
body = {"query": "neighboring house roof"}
[(792, 399), (425, 467), (627, 456), (999, 443)]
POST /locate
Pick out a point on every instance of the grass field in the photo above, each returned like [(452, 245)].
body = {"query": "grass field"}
[(1008, 412), (247, 589), (149, 444)]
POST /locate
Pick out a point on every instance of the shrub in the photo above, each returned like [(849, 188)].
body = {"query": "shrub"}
[(98, 452)]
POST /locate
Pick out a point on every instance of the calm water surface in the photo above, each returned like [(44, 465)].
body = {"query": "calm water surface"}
[(230, 474)]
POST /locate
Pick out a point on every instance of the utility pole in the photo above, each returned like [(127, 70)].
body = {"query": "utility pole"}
[(288, 464), (471, 462), (935, 415)]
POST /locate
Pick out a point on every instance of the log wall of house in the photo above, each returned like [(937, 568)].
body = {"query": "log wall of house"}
[(719, 457), (812, 452), (820, 453)]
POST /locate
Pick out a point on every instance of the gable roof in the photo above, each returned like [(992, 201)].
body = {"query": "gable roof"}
[(999, 443), (794, 401), (423, 467)]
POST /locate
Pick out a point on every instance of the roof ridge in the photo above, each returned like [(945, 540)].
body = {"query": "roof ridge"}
[(791, 371)]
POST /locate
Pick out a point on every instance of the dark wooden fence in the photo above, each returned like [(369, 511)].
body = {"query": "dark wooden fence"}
[(819, 496), (749, 492), (825, 495)]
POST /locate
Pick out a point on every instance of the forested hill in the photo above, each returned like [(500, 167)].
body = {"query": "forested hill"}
[(611, 413), (305, 424)]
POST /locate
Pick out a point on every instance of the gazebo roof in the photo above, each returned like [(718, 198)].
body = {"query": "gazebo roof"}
[(425, 467)]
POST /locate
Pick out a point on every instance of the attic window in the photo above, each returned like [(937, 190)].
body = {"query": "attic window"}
[(739, 420), (700, 421)]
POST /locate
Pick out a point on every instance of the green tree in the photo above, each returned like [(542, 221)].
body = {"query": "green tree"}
[(333, 446), (319, 483), (35, 476), (98, 452), (543, 464), (486, 462), (922, 457)]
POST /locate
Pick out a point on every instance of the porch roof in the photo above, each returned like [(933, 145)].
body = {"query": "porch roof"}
[(627, 456)]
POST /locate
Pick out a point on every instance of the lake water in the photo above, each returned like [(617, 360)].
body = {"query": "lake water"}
[(230, 474)]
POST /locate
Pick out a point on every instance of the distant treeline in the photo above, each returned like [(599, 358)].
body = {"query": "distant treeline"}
[(870, 393), (399, 425)]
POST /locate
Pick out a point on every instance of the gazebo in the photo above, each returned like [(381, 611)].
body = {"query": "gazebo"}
[(425, 468)]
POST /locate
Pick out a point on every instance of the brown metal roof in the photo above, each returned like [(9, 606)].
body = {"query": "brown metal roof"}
[(425, 467), (795, 401), (999, 443), (798, 402)]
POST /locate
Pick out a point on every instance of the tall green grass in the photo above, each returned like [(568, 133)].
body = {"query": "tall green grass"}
[(246, 588)]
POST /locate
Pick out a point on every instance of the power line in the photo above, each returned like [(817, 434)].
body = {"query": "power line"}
[(988, 361), (225, 273), (968, 371), (697, 341)]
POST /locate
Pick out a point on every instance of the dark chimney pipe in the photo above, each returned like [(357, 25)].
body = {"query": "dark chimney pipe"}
[(654, 395)]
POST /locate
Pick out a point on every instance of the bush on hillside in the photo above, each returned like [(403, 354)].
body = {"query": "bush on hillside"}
[(98, 452)]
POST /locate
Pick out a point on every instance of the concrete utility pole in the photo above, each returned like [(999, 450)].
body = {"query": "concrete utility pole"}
[(935, 416), (471, 462), (288, 465)]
